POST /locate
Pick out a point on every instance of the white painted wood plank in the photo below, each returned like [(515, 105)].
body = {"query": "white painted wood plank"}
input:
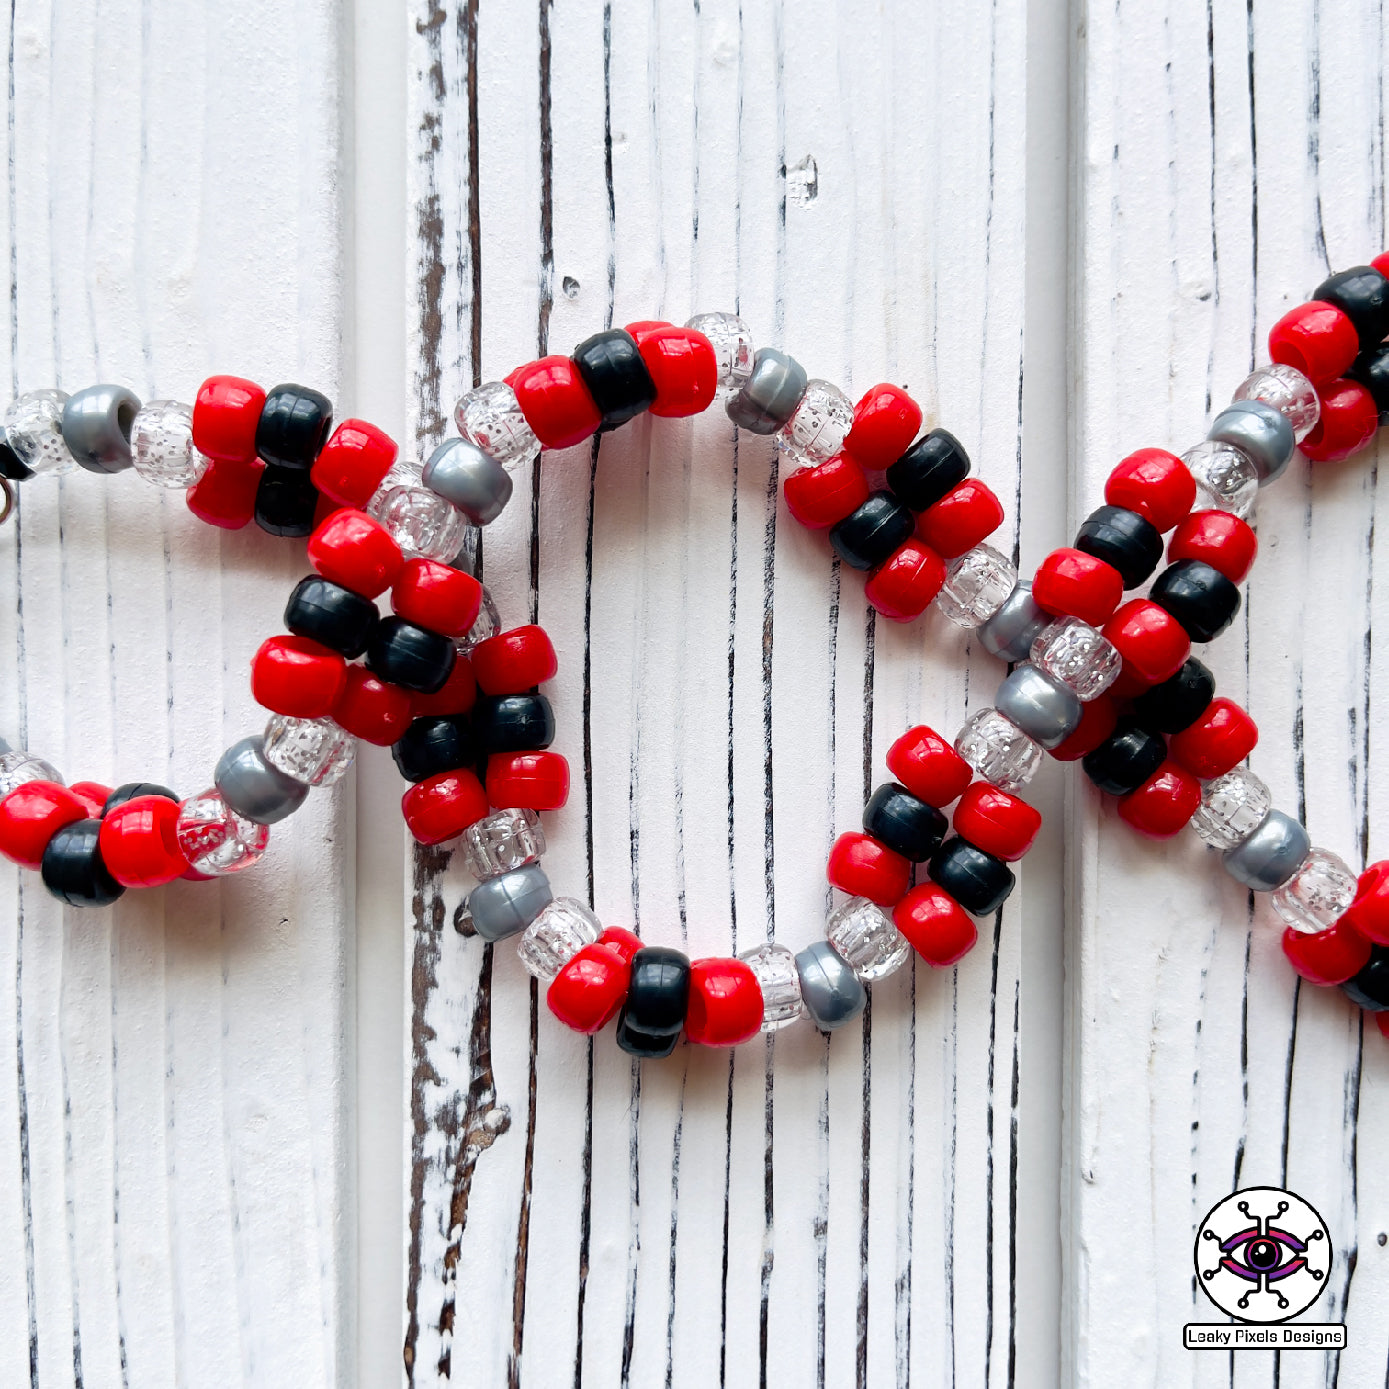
[(174, 1138), (1227, 159), (807, 1212)]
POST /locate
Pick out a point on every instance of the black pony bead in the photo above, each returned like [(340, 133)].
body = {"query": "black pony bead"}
[(73, 870), (1126, 759), (657, 997), (1370, 988), (513, 723), (286, 501), (1362, 294), (1371, 369), (866, 537), (131, 789), (293, 427), (1201, 598), (1179, 701), (906, 825), (10, 466), (331, 615), (979, 882), (416, 659), (431, 745), (1124, 539), (617, 379), (928, 470)]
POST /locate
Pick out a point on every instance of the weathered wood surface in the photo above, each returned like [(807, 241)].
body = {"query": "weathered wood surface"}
[(1228, 156), (806, 1212), (174, 1135)]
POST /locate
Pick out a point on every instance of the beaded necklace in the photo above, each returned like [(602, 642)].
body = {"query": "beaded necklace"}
[(1093, 678)]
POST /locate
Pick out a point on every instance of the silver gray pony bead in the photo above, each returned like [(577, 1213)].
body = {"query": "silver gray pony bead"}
[(1010, 632), (1042, 707), (462, 474), (770, 395), (505, 905), (1260, 431), (252, 787), (833, 994), (96, 427), (1271, 855)]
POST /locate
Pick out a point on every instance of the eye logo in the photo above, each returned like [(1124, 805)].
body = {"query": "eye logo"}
[(1263, 1255)]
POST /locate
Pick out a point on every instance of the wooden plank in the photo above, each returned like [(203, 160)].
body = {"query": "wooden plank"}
[(173, 1130), (1227, 159), (805, 1212)]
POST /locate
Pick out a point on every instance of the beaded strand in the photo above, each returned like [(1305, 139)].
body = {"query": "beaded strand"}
[(1093, 677)]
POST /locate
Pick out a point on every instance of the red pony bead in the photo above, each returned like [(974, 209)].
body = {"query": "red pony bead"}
[(350, 466), (1218, 741), (536, 780), (297, 677), (928, 766), (725, 1004), (591, 987), (437, 597), (902, 588), (825, 495), (31, 815), (999, 823), (865, 867), (1217, 538), (1381, 263), (1164, 803), (225, 495), (1070, 583), (1349, 419), (372, 710), (936, 925), (225, 415), (682, 366), (139, 842), (1154, 483), (968, 514), (457, 695), (515, 661), (351, 549), (1098, 718), (886, 420), (1152, 642), (442, 806), (93, 795), (1317, 338), (1368, 914), (1327, 957), (556, 403)]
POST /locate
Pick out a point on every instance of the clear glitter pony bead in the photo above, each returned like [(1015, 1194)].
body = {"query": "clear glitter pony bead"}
[(490, 416), (780, 982), (561, 930), (863, 933)]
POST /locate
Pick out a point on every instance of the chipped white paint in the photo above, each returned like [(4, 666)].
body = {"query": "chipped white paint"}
[(1200, 1065), (808, 1212), (173, 1126)]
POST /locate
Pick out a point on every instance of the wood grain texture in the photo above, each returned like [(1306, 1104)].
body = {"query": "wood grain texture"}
[(174, 1136), (1229, 157), (805, 1212)]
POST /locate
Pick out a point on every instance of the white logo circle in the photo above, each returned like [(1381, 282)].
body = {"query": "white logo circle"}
[(1263, 1254)]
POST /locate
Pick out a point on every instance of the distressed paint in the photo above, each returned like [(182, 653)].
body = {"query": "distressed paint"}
[(804, 1211)]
